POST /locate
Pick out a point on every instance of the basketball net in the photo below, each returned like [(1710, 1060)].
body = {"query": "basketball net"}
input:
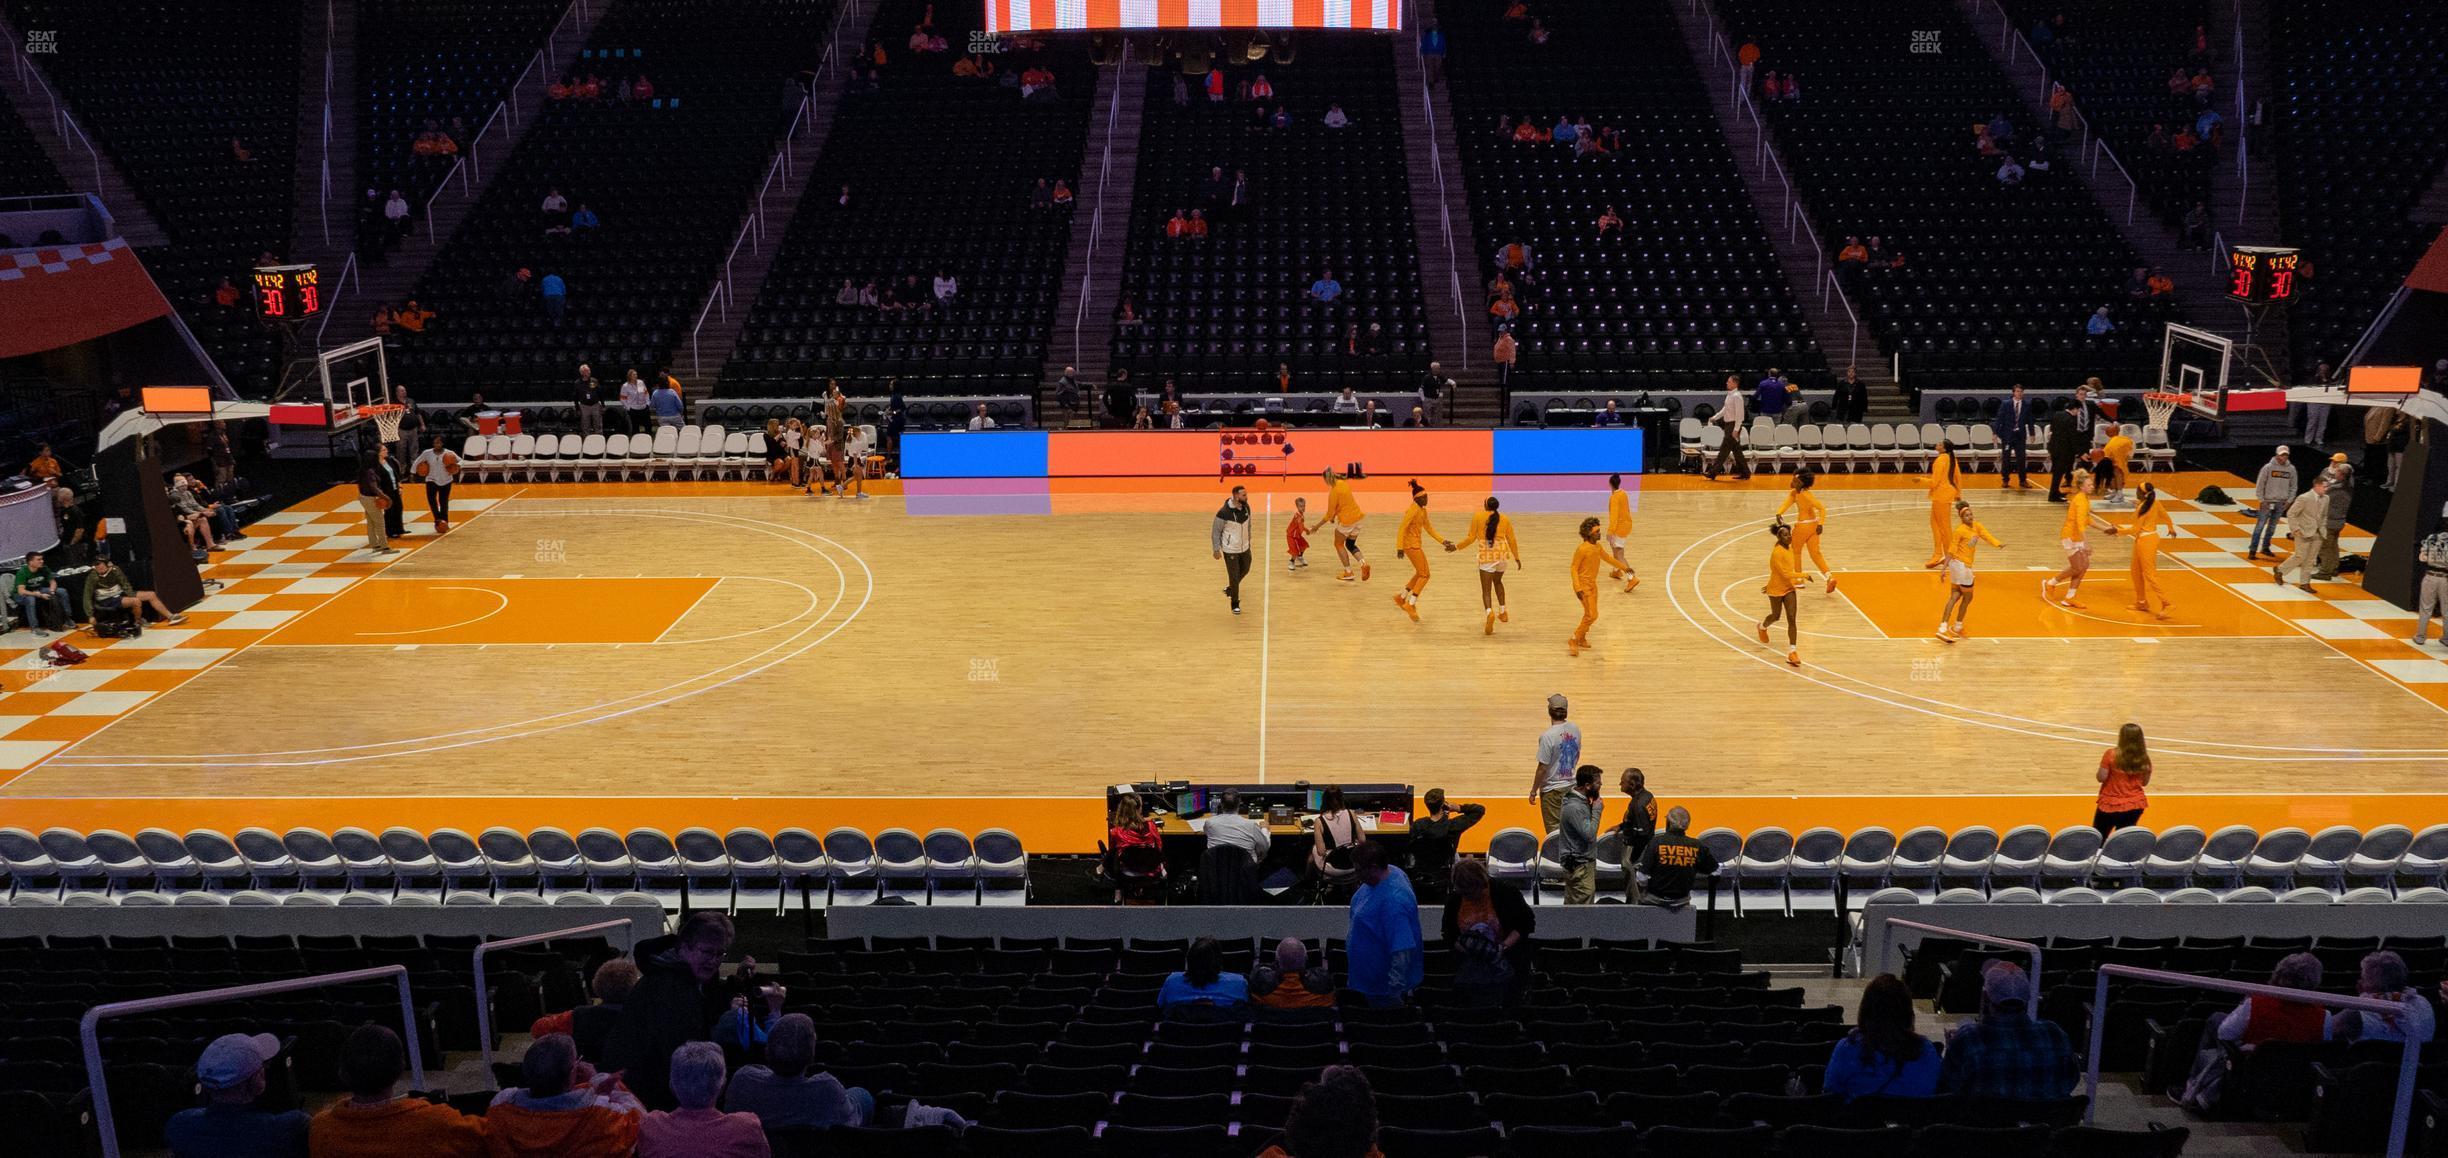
[(2163, 407), (386, 418)]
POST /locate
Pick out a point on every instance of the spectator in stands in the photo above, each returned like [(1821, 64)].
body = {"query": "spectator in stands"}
[(1335, 117), (2256, 1019), (750, 1018), (782, 1094), (2137, 283), (669, 1006), (556, 206), (2161, 285), (697, 1129), (1673, 862), (587, 1025), (231, 1073), (584, 222), (2006, 1052), (1748, 56), (1226, 827), (561, 90), (1853, 258), (1283, 117), (1608, 222), (2061, 111), (1203, 984), (381, 324), (1041, 197), (2197, 228), (1436, 834), (373, 1124), (2185, 140), (1383, 945), (554, 293), (1289, 982), (979, 420), (226, 294), (1488, 925), (1504, 355), (565, 1109), (636, 403), (1577, 834), (666, 399), (1214, 86), (239, 151), (1773, 395), (1346, 402), (2001, 130), (947, 287), (2010, 172), (1062, 193), (1325, 290), (45, 466), (1332, 1117), (413, 317), (1131, 827), (2099, 324), (642, 88), (1852, 397), (2383, 978), (1177, 227), (1883, 1056)]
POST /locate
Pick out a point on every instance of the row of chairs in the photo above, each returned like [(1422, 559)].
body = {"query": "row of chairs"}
[(1903, 447), (673, 451), (742, 871), (1775, 869)]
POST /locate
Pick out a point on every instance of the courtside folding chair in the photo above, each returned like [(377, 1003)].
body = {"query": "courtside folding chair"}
[(663, 451), (1513, 855), (1551, 870), (559, 865), (2071, 854), (593, 456), (2172, 857), (2324, 860), (73, 863), (2375, 860), (435, 866), (1918, 854), (806, 869), (1759, 870), (901, 866), (168, 855), (654, 867), (369, 868), (2019, 854), (2425, 860), (545, 457), (318, 864), (951, 868), (705, 868), (2220, 866), (509, 861), (475, 456), (1965, 864), (1884, 452), (1726, 845), (850, 865), (1867, 855), (122, 862), (1002, 868), (2272, 863), (1810, 877), (688, 448), (217, 861), (267, 860), (2122, 856), (709, 451), (756, 871)]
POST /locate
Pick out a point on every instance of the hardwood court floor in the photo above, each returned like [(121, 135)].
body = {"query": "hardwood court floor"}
[(736, 644)]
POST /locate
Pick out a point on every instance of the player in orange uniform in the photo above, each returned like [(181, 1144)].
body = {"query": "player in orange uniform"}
[(1962, 546), (2118, 453), (1407, 538), (2150, 521), (1296, 536), (1944, 492), (1344, 511), (1618, 527), (1807, 523), (1498, 551), (2077, 548), (1785, 579), (1586, 560)]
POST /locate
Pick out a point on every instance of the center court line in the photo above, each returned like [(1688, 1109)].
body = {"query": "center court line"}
[(1266, 632)]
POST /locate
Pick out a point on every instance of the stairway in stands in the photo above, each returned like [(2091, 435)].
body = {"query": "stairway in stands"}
[(391, 283), (1083, 323), (1841, 338), (85, 167), (325, 216), (2243, 210), (1448, 248), (726, 310)]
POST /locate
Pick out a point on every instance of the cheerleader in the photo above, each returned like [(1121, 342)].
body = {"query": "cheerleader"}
[(1586, 560), (1944, 493), (1407, 538), (1785, 582), (2150, 522), (1618, 528), (1810, 516), (2077, 548), (1961, 549), (1499, 551)]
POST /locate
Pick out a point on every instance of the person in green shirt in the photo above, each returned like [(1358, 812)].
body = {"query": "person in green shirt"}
[(106, 586), (33, 587)]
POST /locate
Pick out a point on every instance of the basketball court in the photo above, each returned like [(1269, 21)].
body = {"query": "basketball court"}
[(596, 653)]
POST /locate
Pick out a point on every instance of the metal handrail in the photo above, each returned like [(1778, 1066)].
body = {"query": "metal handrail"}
[(339, 285), (2218, 253), (2398, 1118), (1797, 220), (2243, 167), (1853, 356), (89, 1026), (2091, 142), (1887, 941), (329, 48), (61, 122), (1436, 164), (484, 1004), (1096, 215)]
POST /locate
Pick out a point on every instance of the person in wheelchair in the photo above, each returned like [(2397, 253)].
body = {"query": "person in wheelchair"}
[(111, 595)]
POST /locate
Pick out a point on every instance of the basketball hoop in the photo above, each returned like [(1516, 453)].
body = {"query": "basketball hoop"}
[(386, 416), (2163, 407)]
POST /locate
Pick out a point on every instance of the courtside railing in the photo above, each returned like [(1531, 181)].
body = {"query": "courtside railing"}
[(1886, 940), (484, 1004), (89, 1029), (2399, 1117)]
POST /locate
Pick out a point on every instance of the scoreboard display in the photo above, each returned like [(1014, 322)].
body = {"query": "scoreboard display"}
[(1006, 16), (2263, 274), (288, 293)]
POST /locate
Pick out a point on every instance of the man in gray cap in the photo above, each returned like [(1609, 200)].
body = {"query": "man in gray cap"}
[(2006, 1052), (232, 1074), (1559, 753)]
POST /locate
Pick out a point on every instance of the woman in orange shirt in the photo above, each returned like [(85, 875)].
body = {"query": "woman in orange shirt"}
[(1498, 551), (2124, 771), (1344, 511), (1785, 579), (1944, 490), (1586, 560), (1812, 517), (2150, 521), (2071, 537), (1618, 529), (1961, 549), (1407, 536)]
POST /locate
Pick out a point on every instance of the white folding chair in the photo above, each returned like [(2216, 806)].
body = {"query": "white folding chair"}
[(1687, 437), (1883, 449), (546, 456), (1002, 868), (951, 868), (522, 455), (901, 866), (1513, 857), (734, 462), (1810, 447), (663, 451), (475, 456), (706, 869), (756, 871), (800, 857), (688, 447), (573, 451), (1787, 442), (1859, 451), (1759, 870), (850, 865), (709, 451)]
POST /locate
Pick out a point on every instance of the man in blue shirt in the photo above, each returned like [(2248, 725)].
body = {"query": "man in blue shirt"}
[(2006, 1052), (666, 399), (1770, 398), (2012, 425), (585, 221), (555, 294), (2099, 323), (1325, 289), (1383, 951), (1432, 52), (231, 1071)]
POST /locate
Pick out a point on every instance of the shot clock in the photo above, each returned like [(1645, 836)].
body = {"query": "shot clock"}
[(288, 293), (2262, 274)]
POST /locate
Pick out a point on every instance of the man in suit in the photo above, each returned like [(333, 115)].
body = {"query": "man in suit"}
[(2013, 418), (2067, 441)]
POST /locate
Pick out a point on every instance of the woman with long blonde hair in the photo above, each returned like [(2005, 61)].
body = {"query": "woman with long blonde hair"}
[(2124, 771), (1498, 551)]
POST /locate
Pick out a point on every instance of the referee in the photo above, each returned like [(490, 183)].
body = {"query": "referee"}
[(1230, 539)]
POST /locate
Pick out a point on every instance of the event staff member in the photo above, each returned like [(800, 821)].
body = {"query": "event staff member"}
[(1229, 538), (1673, 862), (2066, 442)]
